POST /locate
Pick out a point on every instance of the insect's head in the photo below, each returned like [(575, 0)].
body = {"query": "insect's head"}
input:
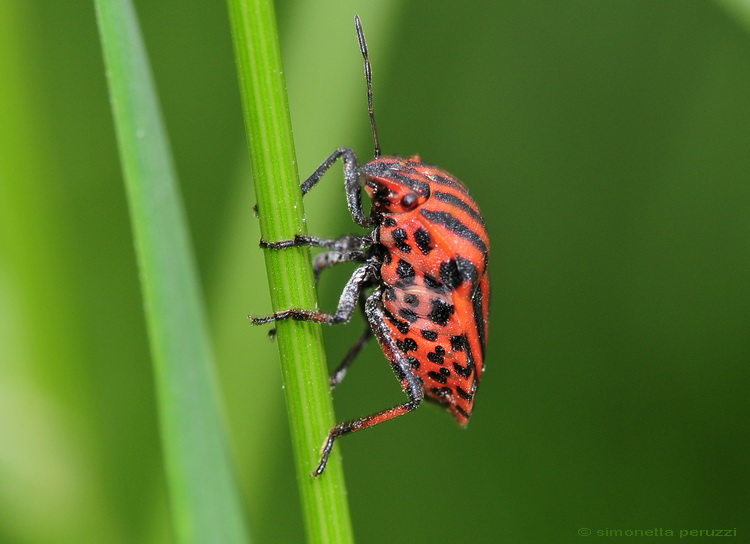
[(393, 186)]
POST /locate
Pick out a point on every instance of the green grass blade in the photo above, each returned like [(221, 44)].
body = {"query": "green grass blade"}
[(739, 9), (204, 499), (300, 344)]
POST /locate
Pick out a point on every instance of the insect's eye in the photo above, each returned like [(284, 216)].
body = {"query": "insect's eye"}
[(409, 201)]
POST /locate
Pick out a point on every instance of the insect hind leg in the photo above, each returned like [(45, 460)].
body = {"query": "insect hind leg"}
[(338, 375), (413, 386), (359, 424)]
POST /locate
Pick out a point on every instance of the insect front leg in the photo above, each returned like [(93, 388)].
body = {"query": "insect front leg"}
[(352, 184), (346, 243), (412, 385), (344, 311)]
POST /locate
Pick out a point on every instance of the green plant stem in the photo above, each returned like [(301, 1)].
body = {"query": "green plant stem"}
[(204, 501), (290, 278)]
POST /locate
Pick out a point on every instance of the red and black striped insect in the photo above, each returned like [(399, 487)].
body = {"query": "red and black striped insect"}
[(426, 261)]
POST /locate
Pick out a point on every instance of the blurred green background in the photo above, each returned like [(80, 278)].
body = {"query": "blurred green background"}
[(609, 146)]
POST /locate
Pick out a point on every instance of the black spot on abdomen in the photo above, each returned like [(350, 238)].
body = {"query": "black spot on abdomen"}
[(429, 335), (438, 377), (399, 238), (422, 238), (450, 275), (440, 311), (406, 345), (404, 269), (458, 342), (408, 314)]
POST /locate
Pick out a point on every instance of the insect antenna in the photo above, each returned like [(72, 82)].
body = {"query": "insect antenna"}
[(368, 78)]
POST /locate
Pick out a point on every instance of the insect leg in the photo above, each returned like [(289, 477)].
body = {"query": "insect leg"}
[(332, 258), (338, 374), (325, 260), (352, 184), (344, 311), (347, 248), (348, 242), (413, 386)]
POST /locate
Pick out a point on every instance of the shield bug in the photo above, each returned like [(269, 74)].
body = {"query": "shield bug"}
[(422, 281)]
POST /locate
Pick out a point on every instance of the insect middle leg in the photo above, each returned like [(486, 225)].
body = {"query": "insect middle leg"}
[(326, 260), (348, 248), (344, 311)]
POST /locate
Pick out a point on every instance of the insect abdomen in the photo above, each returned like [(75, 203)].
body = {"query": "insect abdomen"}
[(436, 289)]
